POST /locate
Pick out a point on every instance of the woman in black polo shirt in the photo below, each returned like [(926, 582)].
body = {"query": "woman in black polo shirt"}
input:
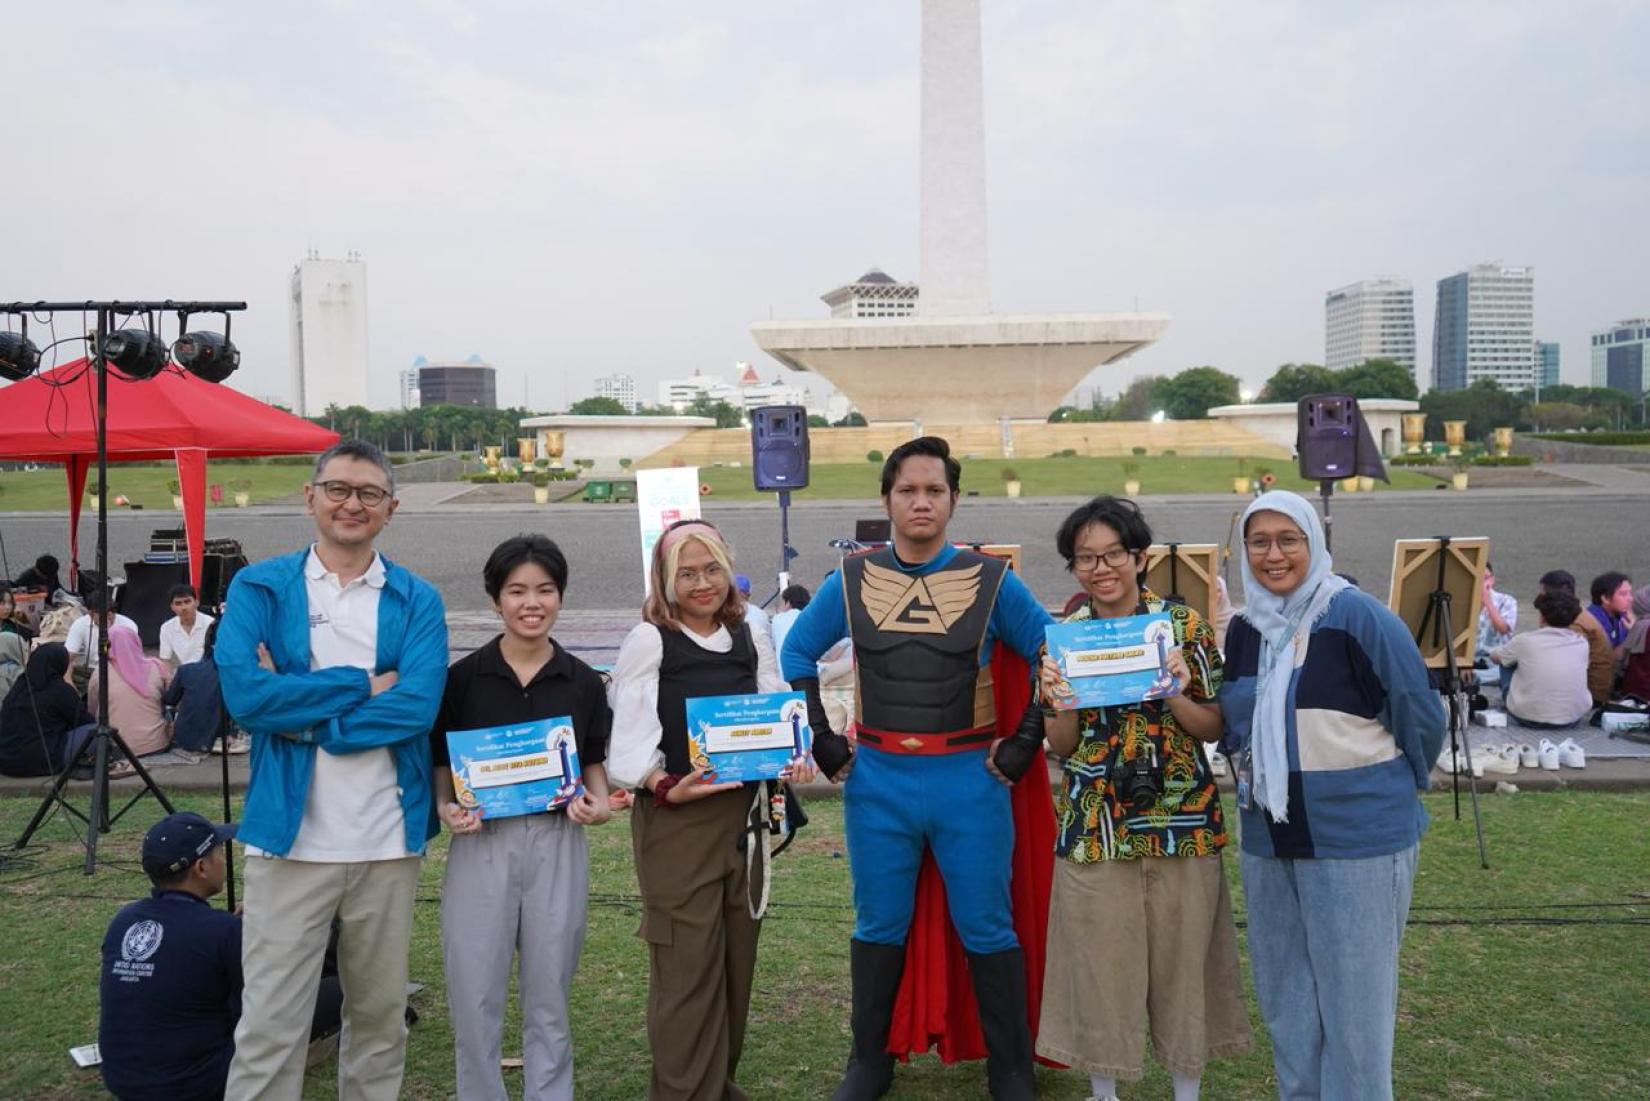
[(685, 827), (518, 885)]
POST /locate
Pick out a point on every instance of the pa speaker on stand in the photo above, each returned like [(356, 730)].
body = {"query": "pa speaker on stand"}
[(779, 464), (1333, 442)]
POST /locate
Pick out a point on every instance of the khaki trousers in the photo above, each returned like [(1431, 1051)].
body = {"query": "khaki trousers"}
[(701, 942), (290, 905)]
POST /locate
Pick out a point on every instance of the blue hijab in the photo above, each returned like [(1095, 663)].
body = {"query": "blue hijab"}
[(1282, 622)]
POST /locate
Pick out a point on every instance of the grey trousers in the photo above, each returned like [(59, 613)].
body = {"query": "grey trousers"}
[(290, 905), (518, 887)]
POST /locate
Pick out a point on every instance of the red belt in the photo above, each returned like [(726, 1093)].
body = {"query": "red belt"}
[(926, 745)]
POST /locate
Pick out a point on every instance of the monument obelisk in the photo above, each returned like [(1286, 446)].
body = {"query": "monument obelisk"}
[(955, 362)]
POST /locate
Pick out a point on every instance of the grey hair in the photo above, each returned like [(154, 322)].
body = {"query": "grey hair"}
[(356, 449)]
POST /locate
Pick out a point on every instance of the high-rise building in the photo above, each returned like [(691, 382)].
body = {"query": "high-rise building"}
[(472, 382), (679, 393), (621, 388), (328, 315), (1546, 363), (1621, 356), (409, 384), (1485, 328), (1372, 319), (874, 294)]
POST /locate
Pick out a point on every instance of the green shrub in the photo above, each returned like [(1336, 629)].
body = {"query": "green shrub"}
[(873, 456), (541, 480), (1137, 450), (1412, 460), (1009, 474), (1168, 452), (1503, 460), (1597, 439)]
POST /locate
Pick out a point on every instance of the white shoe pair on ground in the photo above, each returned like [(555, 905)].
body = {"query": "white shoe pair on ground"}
[(1566, 753), (1506, 759)]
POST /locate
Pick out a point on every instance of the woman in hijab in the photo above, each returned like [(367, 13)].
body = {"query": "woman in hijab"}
[(1333, 728), (43, 722), (1635, 651), (136, 688)]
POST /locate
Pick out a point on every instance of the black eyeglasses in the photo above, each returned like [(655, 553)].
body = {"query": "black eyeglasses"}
[(369, 496), (1113, 558)]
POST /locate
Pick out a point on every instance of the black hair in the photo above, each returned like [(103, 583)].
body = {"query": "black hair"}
[(97, 602), (1606, 583), (1118, 513), (5, 589), (1489, 567), (797, 596), (181, 590), (1559, 579), (357, 449), (165, 880), (46, 563), (519, 549), (211, 642), (1349, 579), (1558, 608), (932, 446)]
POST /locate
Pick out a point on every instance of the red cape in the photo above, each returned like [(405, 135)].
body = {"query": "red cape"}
[(935, 1007)]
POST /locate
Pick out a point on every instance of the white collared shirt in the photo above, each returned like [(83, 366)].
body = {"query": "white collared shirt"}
[(353, 810), (83, 634), (180, 647)]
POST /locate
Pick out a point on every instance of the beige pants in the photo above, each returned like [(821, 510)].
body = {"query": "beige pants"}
[(1132, 940), (701, 942), (290, 905)]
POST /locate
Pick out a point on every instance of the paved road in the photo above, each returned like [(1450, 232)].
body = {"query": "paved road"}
[(1585, 530)]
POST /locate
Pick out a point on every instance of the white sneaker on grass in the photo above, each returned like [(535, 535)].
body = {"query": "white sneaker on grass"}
[(1570, 754), (1528, 757), (1500, 759), (1548, 753)]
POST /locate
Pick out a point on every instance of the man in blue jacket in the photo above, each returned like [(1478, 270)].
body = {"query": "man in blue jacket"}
[(334, 658)]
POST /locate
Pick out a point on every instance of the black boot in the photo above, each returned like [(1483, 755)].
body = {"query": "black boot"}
[(876, 971), (1000, 989)]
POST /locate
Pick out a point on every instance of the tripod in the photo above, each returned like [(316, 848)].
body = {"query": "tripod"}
[(786, 551), (105, 740), (1437, 618)]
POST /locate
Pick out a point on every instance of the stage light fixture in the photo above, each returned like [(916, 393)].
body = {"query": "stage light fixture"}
[(19, 358), (136, 353), (207, 355)]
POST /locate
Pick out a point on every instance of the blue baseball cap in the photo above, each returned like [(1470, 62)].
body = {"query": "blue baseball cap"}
[(743, 582), (180, 839)]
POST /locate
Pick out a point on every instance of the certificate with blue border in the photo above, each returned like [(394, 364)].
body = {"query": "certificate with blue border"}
[(508, 770), (1107, 662), (748, 737)]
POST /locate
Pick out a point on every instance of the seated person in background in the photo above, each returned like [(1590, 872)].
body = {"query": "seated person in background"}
[(1601, 663), (1497, 621), (753, 614), (83, 637), (14, 655), (791, 603), (43, 720), (183, 637), (1551, 687), (136, 684), (197, 702), (171, 981), (42, 575), (1635, 651), (1612, 605), (13, 621)]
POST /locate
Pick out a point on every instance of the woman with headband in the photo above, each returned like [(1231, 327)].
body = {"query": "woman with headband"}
[(692, 834)]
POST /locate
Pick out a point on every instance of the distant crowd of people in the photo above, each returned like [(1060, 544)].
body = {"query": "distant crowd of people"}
[(334, 659)]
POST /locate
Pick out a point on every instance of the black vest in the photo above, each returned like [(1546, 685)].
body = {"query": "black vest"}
[(917, 642), (688, 670)]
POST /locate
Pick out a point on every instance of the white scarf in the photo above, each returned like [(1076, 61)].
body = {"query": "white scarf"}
[(1282, 622)]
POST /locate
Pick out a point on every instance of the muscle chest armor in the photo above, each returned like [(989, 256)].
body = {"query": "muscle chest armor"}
[(917, 641)]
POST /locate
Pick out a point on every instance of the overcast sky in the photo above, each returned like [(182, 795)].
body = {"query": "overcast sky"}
[(570, 189)]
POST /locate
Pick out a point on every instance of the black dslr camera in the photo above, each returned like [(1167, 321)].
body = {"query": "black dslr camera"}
[(1137, 781)]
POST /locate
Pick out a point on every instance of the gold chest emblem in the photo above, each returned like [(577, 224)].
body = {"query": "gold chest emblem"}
[(918, 605)]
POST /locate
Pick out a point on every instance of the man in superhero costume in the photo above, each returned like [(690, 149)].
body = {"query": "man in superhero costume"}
[(928, 770)]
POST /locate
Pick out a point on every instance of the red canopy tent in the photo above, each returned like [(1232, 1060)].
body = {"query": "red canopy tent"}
[(52, 417)]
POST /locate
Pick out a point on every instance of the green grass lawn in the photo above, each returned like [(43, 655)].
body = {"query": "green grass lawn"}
[(1069, 477), (1525, 981), (146, 484)]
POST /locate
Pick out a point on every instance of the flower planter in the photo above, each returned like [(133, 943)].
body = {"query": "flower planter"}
[(1131, 488), (242, 500), (177, 503), (1011, 488), (1240, 485), (1366, 483), (1459, 479), (1349, 485), (541, 495)]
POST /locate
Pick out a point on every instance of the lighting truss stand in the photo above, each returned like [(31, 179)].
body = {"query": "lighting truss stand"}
[(1437, 619), (106, 743)]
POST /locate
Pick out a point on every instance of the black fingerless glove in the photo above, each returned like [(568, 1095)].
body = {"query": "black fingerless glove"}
[(1016, 753), (831, 750)]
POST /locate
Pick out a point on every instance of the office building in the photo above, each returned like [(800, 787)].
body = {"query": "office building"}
[(409, 385), (621, 388), (472, 382), (327, 311), (1484, 327), (1546, 364), (1372, 319), (680, 393), (874, 294), (1621, 356)]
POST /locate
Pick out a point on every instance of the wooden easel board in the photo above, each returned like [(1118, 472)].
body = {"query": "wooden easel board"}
[(1415, 577), (1010, 551), (1190, 577)]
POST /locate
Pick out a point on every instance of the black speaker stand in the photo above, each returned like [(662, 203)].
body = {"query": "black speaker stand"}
[(1326, 490), (786, 551)]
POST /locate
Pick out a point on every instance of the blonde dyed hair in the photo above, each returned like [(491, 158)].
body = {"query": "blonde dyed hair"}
[(660, 608)]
